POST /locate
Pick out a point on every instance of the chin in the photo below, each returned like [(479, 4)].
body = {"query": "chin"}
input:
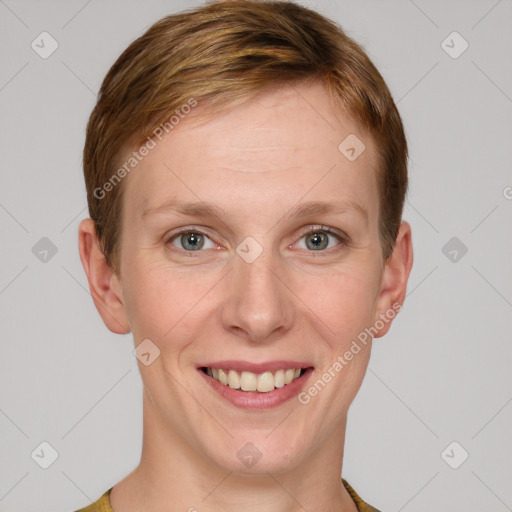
[(261, 455)]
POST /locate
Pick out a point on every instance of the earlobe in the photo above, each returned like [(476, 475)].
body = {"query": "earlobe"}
[(103, 282), (394, 280)]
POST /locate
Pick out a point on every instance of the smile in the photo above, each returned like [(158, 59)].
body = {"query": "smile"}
[(248, 381), (256, 386)]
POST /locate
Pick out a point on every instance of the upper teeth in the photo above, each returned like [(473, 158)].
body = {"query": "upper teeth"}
[(248, 381)]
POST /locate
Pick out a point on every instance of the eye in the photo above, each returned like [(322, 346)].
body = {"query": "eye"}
[(319, 238), (191, 240)]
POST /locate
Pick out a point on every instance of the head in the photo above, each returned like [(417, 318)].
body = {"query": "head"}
[(250, 109)]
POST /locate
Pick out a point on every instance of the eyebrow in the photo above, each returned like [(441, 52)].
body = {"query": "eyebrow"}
[(308, 209)]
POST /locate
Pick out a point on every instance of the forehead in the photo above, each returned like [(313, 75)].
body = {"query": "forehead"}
[(278, 149)]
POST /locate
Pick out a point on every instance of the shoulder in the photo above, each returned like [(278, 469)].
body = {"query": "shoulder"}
[(361, 505), (101, 505)]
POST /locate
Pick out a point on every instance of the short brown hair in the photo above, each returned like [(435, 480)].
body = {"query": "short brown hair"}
[(219, 55)]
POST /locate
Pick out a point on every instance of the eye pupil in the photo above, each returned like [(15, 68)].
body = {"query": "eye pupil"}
[(192, 241), (318, 239)]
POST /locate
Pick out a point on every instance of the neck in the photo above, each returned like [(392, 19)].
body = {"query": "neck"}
[(173, 476)]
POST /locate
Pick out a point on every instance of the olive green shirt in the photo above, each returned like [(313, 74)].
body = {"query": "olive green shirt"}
[(103, 503)]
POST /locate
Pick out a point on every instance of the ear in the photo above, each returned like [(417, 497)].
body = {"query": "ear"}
[(394, 280), (103, 282)]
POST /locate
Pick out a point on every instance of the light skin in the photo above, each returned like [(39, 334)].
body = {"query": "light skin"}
[(256, 162)]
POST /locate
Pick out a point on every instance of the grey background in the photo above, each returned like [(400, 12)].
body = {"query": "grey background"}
[(442, 374)]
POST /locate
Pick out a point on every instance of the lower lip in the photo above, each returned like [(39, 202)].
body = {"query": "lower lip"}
[(256, 400)]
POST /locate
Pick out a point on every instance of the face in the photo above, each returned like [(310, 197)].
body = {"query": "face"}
[(260, 283)]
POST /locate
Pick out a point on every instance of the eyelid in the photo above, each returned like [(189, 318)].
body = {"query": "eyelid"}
[(188, 229), (326, 229), (340, 235)]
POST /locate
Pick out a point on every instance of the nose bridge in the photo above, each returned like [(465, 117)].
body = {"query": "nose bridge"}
[(257, 301)]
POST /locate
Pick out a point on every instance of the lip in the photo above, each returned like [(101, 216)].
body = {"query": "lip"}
[(246, 366), (255, 400)]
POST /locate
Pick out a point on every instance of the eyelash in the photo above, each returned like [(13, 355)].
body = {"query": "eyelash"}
[(343, 239)]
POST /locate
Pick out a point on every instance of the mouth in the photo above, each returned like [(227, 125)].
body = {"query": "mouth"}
[(251, 382), (256, 386)]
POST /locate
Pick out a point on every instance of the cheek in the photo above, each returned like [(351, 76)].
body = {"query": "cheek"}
[(162, 302), (166, 303), (343, 301)]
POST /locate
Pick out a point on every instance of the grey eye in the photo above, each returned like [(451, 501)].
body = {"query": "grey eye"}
[(191, 241), (319, 240)]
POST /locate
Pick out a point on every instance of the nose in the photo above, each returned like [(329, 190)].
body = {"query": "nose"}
[(258, 305)]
